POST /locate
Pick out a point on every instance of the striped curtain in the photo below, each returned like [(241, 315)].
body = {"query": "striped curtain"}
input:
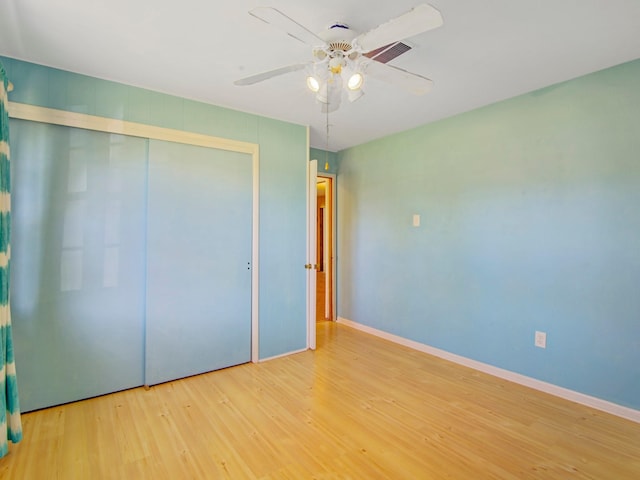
[(9, 406)]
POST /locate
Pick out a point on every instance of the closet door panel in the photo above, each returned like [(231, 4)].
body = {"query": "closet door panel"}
[(77, 271), (198, 260)]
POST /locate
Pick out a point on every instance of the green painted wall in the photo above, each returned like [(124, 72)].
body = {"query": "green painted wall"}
[(327, 161), (529, 211), (282, 200)]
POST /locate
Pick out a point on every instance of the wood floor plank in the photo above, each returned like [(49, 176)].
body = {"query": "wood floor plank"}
[(357, 408)]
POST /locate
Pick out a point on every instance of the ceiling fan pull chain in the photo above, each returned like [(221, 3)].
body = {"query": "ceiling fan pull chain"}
[(326, 150)]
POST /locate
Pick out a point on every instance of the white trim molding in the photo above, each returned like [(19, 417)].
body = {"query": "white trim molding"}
[(23, 111), (565, 393), (282, 355)]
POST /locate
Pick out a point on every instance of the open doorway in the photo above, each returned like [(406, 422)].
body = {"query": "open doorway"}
[(325, 248)]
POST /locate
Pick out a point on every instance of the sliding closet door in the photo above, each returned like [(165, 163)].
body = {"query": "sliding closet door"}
[(198, 260), (77, 272)]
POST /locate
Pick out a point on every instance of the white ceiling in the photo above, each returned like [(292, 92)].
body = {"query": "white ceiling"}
[(486, 51)]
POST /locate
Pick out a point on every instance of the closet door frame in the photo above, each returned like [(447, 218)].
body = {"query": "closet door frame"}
[(34, 113)]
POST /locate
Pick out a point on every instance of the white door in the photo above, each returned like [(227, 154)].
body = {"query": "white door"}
[(312, 178)]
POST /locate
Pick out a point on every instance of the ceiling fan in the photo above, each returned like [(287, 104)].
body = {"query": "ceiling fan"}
[(340, 50)]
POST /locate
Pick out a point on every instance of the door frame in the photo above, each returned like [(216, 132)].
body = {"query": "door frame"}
[(310, 265), (330, 297), (312, 212)]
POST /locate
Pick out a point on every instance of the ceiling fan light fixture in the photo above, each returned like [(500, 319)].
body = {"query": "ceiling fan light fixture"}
[(322, 95), (336, 63), (330, 94), (319, 53), (313, 84), (355, 81), (354, 95)]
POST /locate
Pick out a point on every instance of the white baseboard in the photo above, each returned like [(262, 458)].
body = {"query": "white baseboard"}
[(282, 355), (577, 397)]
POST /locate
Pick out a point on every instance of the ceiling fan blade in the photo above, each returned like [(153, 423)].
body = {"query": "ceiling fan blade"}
[(270, 74), (418, 20), (288, 25), (411, 82)]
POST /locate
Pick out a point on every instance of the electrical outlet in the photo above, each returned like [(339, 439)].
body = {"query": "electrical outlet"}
[(541, 340), (416, 220)]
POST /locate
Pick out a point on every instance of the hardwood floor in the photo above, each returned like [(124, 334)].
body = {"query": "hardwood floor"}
[(357, 408)]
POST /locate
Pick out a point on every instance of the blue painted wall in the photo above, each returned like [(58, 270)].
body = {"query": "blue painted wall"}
[(530, 221), (327, 161), (283, 213), (283, 151)]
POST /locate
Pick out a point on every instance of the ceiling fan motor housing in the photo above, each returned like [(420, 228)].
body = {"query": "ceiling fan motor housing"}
[(338, 47), (339, 37)]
